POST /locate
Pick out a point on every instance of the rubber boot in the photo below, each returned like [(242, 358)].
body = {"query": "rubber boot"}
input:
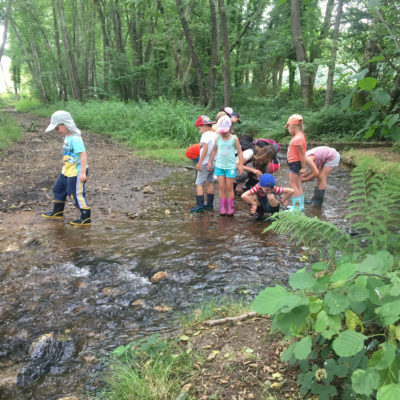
[(199, 207), (58, 210), (318, 197), (210, 202), (274, 210), (84, 219), (222, 210), (297, 203), (259, 215), (231, 208)]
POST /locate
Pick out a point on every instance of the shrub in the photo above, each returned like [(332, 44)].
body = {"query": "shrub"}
[(342, 314)]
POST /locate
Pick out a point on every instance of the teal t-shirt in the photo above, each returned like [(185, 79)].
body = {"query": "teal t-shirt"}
[(225, 158), (73, 145)]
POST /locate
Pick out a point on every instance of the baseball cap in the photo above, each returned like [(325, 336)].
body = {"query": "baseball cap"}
[(224, 124), (267, 180), (203, 120), (238, 117), (294, 119)]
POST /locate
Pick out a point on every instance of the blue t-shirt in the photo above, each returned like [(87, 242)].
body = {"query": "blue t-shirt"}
[(225, 158), (73, 145)]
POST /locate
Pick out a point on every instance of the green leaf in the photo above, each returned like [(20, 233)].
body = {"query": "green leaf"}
[(335, 302), (348, 343), (328, 325), (292, 301), (319, 266), (367, 83), (374, 3), (378, 263), (364, 382), (389, 312), (343, 272), (270, 300), (301, 280), (389, 392), (303, 348), (392, 120), (288, 353), (384, 357), (380, 96)]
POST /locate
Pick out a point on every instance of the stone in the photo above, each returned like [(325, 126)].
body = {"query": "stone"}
[(158, 276)]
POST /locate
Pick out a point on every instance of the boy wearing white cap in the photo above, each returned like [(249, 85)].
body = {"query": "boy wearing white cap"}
[(72, 179)]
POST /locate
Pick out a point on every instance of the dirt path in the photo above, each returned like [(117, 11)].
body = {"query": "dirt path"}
[(30, 167)]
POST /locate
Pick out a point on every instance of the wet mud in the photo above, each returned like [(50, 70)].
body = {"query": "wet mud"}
[(69, 295)]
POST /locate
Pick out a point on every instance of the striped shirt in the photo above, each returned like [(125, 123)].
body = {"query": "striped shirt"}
[(258, 190)]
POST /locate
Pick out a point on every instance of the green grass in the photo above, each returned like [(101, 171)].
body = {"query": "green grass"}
[(149, 368), (215, 310), (9, 131)]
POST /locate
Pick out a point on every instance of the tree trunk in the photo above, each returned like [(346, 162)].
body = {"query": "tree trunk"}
[(62, 91), (106, 46), (301, 56), (192, 52), (35, 74), (5, 28), (332, 62), (72, 70), (214, 55), (226, 53)]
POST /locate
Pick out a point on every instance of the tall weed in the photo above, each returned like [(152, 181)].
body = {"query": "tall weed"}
[(9, 131)]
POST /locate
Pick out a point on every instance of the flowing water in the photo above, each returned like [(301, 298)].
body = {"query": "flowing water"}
[(68, 296)]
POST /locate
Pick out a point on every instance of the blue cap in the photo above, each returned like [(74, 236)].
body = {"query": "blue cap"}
[(267, 180)]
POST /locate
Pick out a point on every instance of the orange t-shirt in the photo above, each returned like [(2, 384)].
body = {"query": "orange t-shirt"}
[(193, 151), (297, 140)]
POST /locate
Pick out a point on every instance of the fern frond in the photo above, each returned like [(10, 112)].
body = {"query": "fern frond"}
[(322, 236)]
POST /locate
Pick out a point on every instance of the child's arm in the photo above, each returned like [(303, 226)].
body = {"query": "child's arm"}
[(212, 155), (240, 156), (255, 171), (314, 172), (288, 192), (251, 199), (203, 154), (302, 155), (82, 174)]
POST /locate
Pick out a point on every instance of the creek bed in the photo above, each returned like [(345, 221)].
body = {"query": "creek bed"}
[(79, 293)]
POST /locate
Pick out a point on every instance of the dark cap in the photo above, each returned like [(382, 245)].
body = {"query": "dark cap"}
[(238, 117)]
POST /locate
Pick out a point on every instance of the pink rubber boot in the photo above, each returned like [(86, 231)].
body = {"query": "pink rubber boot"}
[(222, 210), (231, 209)]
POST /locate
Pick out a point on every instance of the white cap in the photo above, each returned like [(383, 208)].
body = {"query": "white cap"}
[(224, 124), (63, 117)]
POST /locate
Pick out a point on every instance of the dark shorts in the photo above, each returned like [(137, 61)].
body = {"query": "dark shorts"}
[(294, 167)]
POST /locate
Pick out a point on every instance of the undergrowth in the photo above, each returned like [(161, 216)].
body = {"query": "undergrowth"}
[(342, 314), (9, 131)]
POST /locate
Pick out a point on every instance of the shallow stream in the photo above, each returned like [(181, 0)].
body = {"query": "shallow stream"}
[(89, 289)]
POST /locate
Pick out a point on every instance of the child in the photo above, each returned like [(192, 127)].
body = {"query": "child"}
[(72, 179), (261, 143), (321, 161), (225, 147), (263, 197), (296, 158), (204, 176)]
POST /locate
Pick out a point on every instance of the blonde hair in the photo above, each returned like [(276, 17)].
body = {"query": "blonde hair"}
[(219, 115), (300, 118)]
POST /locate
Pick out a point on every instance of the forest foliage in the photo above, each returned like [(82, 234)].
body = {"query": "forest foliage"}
[(342, 54)]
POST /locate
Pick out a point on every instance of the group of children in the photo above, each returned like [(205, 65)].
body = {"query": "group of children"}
[(221, 156)]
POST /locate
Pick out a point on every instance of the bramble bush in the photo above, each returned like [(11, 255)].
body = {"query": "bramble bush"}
[(341, 315)]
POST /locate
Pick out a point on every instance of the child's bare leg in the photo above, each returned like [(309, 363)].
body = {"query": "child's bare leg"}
[(210, 187), (221, 186), (295, 183), (323, 175), (252, 200), (199, 190), (229, 188), (272, 201)]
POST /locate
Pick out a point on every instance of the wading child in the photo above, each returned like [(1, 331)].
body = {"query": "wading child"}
[(265, 197), (226, 145), (321, 160), (296, 158), (204, 175), (72, 179)]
